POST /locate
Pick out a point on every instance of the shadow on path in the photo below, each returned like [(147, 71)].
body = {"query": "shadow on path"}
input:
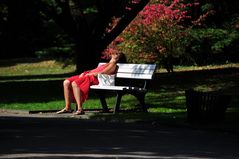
[(31, 137)]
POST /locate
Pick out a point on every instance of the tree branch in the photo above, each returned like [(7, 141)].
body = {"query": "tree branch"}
[(125, 21)]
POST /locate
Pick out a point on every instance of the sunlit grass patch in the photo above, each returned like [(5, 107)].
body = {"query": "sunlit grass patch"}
[(33, 106), (29, 67)]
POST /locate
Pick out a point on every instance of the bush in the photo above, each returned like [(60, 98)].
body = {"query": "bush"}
[(208, 43), (56, 52), (156, 35)]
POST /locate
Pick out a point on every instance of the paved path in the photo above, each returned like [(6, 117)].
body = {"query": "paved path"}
[(37, 137)]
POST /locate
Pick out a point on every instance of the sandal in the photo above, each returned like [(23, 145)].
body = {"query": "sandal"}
[(79, 112), (64, 110)]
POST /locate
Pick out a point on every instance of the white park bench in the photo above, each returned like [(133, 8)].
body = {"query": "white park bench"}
[(130, 79)]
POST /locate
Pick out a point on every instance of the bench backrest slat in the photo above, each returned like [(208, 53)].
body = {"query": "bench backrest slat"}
[(135, 71), (135, 76), (136, 66)]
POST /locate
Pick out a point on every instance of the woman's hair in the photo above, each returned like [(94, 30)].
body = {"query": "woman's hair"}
[(122, 58)]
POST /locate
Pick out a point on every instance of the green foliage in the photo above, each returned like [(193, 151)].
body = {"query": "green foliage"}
[(207, 7), (90, 10), (53, 4), (56, 52), (3, 13), (208, 41)]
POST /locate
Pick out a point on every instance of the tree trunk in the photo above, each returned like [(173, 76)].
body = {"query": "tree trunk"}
[(90, 45), (86, 56)]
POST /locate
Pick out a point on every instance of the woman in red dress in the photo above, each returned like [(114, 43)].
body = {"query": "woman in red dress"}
[(76, 88)]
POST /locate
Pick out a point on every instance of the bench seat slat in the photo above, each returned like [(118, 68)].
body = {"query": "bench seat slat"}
[(118, 88)]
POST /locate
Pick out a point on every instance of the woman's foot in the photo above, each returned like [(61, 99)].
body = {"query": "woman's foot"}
[(79, 112), (64, 110)]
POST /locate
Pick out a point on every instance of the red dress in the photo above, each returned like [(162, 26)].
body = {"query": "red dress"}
[(84, 82)]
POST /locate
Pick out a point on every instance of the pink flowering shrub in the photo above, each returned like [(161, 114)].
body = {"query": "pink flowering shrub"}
[(112, 48), (156, 33)]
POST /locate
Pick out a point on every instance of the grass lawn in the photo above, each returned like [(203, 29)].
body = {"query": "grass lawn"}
[(33, 84)]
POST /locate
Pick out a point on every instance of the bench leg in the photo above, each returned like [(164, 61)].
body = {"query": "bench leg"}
[(141, 100), (117, 104), (103, 102)]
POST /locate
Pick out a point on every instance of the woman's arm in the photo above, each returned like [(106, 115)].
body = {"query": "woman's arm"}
[(109, 69)]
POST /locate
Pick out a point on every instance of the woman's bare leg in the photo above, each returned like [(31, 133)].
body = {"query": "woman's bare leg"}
[(77, 95), (67, 92)]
